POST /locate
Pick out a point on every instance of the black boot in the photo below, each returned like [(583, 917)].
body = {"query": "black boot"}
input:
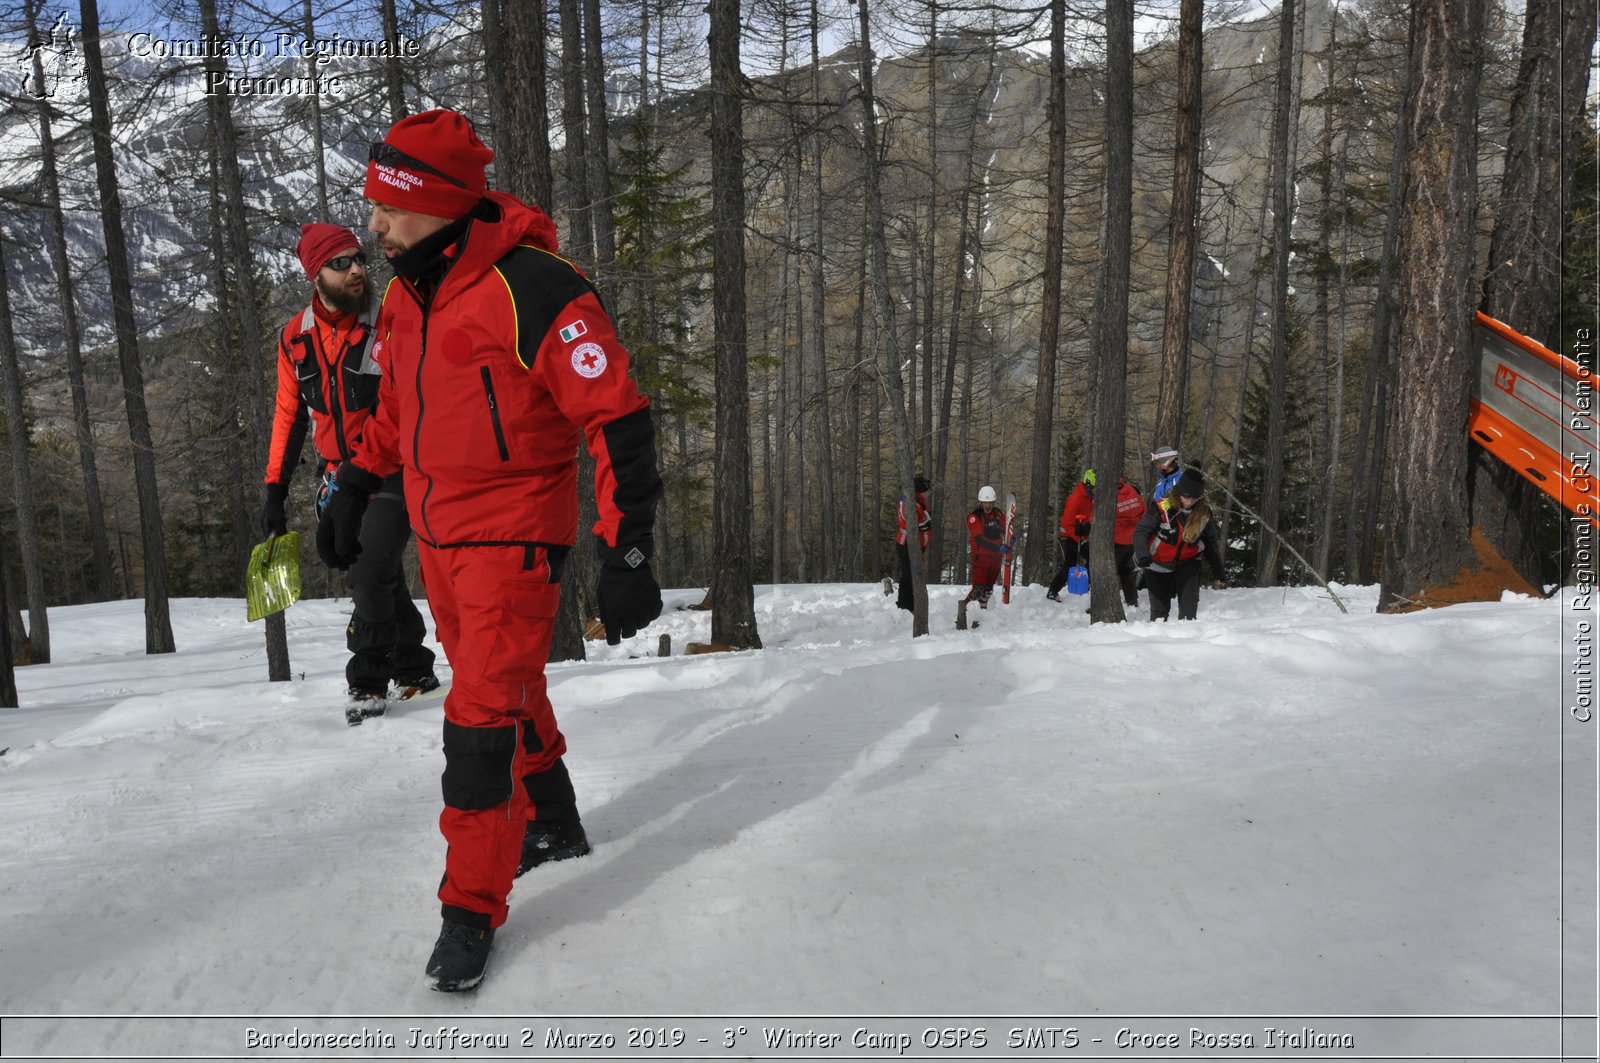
[(558, 840), (458, 957), (364, 704)]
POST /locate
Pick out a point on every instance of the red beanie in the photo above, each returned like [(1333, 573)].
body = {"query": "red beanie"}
[(430, 163), (319, 242)]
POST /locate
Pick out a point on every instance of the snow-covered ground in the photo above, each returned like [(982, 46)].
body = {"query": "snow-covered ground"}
[(1279, 813)]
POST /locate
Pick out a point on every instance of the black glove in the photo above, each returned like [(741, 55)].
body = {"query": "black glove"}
[(1081, 530), (273, 522), (628, 594), (1142, 562), (339, 528)]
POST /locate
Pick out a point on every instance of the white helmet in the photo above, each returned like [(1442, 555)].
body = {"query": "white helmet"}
[(986, 493)]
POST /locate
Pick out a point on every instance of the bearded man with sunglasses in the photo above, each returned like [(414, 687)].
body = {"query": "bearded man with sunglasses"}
[(328, 383), (498, 362)]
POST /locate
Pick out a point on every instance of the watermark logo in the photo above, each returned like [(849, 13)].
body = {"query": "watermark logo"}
[(51, 64)]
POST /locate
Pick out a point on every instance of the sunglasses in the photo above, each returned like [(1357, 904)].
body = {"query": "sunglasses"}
[(389, 155), (344, 262)]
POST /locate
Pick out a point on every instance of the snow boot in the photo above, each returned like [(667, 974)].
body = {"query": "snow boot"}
[(459, 957), (543, 843), (407, 689), (362, 704)]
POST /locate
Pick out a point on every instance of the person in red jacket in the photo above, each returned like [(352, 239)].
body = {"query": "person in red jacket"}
[(903, 598), (1130, 507), (328, 382), (499, 360), (986, 530), (1077, 517), (1168, 543)]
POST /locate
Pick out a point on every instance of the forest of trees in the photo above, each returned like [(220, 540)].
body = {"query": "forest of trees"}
[(845, 243)]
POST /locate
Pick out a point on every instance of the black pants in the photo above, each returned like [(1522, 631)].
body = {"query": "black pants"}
[(1183, 581), (1071, 551), (1127, 574), (386, 629)]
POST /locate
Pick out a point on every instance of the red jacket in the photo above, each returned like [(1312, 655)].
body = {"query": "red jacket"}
[(986, 532), (1160, 537), (328, 379), (1078, 509), (924, 521), (1130, 507), (492, 381)]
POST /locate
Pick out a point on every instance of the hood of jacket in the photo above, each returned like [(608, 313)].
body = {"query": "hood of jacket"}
[(500, 223)]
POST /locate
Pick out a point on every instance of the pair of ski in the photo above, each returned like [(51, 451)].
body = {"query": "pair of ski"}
[(1008, 553)]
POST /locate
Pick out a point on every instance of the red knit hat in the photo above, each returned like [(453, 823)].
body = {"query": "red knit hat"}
[(430, 163), (321, 241)]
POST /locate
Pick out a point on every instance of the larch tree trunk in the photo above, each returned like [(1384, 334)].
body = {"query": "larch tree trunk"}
[(1366, 486), (575, 155), (603, 225), (884, 308), (71, 335), (309, 25), (1522, 286), (733, 617), (32, 557), (599, 145), (8, 673), (964, 243), (157, 614), (819, 336), (1110, 435), (1181, 230), (1278, 367), (1428, 544), (526, 170), (494, 65), (1330, 499), (254, 363), (394, 87), (577, 594), (1041, 494)]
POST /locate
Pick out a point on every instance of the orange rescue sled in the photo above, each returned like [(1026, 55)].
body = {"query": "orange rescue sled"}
[(1534, 410)]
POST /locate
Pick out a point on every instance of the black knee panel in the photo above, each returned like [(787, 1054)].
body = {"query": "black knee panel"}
[(552, 787), (477, 765)]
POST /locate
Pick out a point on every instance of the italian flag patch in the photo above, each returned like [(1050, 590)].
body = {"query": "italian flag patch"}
[(573, 331)]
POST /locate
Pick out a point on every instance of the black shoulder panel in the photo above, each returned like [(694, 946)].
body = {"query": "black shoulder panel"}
[(541, 286)]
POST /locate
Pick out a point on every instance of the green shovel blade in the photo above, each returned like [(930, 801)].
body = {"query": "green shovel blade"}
[(272, 583)]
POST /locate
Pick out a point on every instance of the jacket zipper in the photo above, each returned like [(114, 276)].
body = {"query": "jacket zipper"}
[(494, 414), (425, 304), (416, 432)]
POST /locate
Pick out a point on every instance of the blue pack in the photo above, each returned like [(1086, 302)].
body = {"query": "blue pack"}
[(1077, 580)]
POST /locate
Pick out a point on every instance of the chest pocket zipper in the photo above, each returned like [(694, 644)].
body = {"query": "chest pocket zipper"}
[(361, 374), (494, 414), (309, 373)]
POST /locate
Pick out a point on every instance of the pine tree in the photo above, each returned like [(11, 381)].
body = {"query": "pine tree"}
[(661, 277), (1294, 522)]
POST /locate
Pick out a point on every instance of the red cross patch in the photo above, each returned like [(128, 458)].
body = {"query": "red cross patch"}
[(588, 360)]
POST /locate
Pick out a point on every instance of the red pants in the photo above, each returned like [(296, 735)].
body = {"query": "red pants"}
[(494, 611), (985, 571)]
